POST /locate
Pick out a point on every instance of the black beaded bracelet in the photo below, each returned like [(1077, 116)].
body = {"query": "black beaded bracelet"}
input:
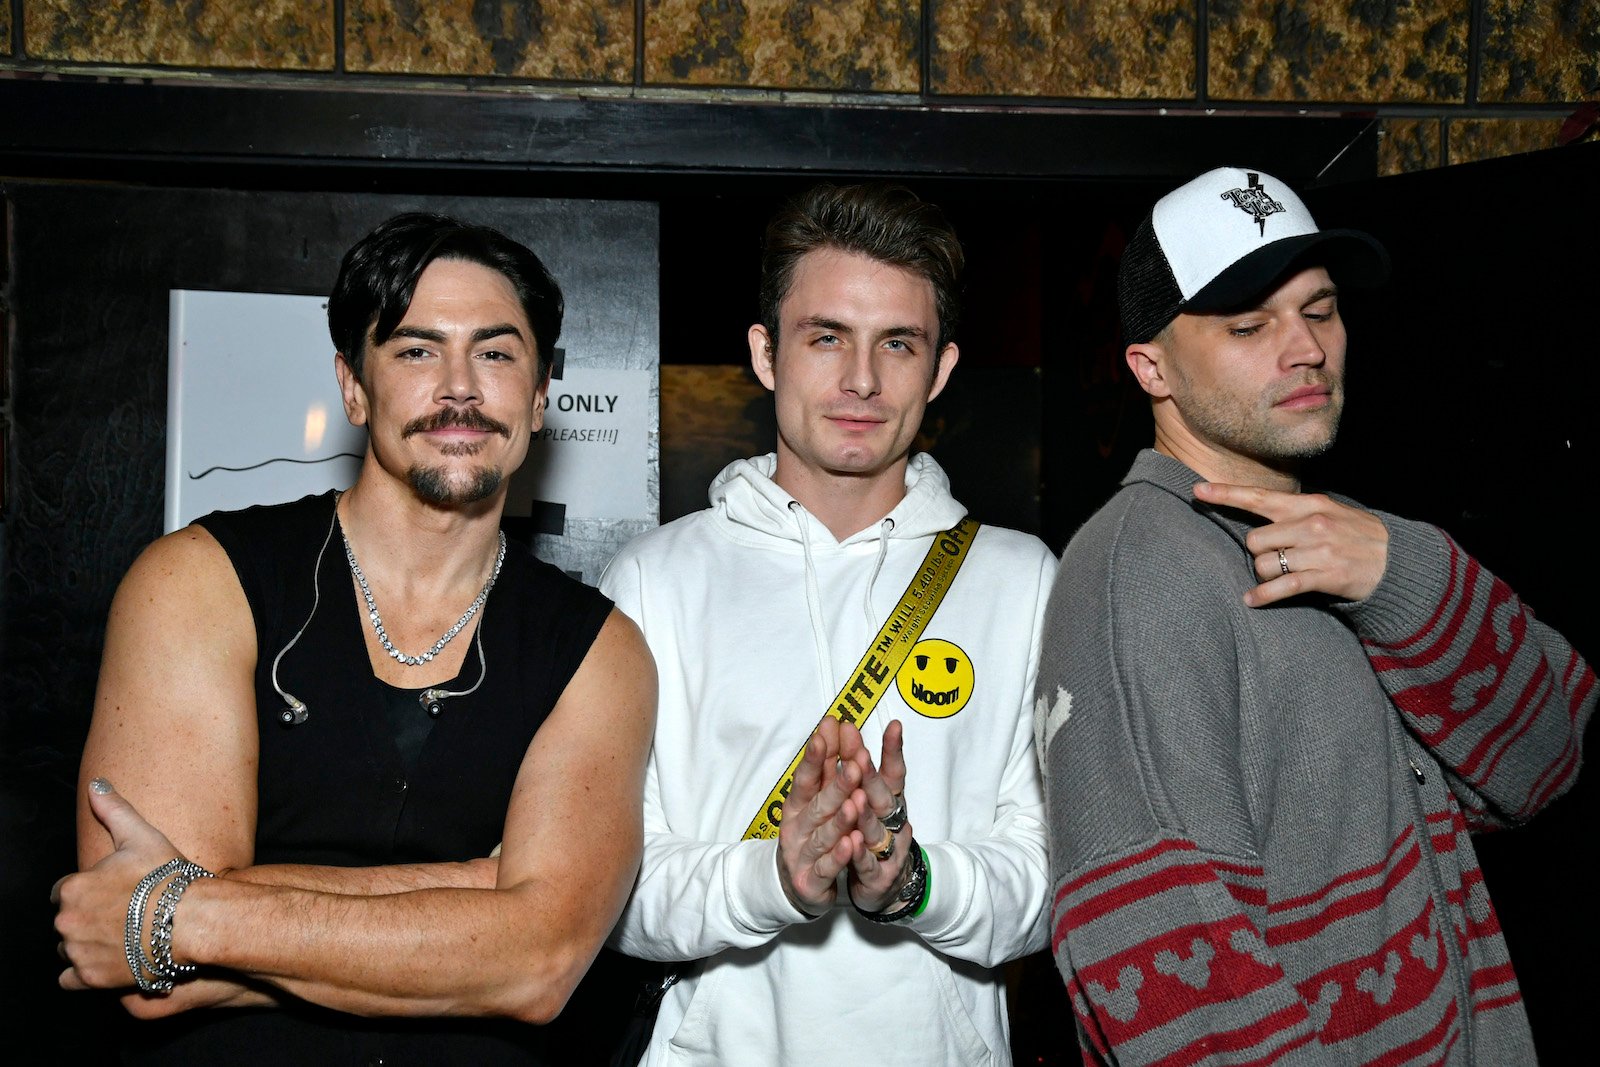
[(913, 895)]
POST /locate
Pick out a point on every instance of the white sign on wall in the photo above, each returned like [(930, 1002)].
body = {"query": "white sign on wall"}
[(254, 416), (592, 454)]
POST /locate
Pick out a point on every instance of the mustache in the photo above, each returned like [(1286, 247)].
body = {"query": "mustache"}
[(455, 418)]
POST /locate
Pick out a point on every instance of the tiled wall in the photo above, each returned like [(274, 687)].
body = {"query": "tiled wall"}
[(1452, 80)]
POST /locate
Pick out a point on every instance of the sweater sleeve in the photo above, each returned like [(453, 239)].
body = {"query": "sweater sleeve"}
[(692, 898), (1159, 904), (987, 901), (1499, 698), (697, 898)]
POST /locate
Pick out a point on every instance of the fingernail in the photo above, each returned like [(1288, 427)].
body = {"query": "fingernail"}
[(101, 786)]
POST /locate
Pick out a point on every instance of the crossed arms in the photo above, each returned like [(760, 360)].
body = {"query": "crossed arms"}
[(176, 734)]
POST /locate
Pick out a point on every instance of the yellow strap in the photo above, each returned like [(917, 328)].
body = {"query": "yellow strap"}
[(876, 671)]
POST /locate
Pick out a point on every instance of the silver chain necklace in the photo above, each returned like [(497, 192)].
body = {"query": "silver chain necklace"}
[(377, 620)]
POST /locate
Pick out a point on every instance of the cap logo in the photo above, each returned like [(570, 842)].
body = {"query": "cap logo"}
[(1254, 201)]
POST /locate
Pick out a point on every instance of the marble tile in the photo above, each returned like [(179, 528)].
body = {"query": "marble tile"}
[(1407, 145), (1369, 51), (567, 40), (1536, 50), (262, 35), (1138, 49), (822, 45), (1471, 140), (710, 416)]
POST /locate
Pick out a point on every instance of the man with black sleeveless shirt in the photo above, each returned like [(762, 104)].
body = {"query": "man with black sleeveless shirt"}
[(323, 706)]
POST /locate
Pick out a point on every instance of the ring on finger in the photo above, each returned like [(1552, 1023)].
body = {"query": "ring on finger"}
[(1283, 561), (895, 821), (885, 848)]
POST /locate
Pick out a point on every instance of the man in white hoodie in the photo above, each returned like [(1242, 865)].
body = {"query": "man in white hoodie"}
[(847, 883)]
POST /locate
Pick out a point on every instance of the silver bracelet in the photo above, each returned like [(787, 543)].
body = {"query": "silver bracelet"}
[(159, 965), (161, 927), (138, 962)]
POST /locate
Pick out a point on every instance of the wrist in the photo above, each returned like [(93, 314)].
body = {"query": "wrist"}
[(791, 895), (911, 898), (193, 929), (151, 921)]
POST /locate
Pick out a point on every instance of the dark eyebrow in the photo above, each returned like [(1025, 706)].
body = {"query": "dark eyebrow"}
[(419, 333), (1321, 294), (487, 333), (482, 333), (906, 331), (818, 322)]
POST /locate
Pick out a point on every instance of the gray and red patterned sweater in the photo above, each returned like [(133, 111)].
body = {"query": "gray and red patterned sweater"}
[(1259, 817)]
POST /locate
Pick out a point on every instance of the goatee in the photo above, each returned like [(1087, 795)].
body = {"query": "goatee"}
[(435, 486)]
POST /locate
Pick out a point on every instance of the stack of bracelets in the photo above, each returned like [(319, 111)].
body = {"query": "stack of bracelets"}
[(913, 894), (156, 972)]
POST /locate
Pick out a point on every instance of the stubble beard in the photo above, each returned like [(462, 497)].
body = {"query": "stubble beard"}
[(1236, 427), (442, 488)]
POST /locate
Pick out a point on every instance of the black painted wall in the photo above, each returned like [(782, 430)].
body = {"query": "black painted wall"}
[(1470, 406)]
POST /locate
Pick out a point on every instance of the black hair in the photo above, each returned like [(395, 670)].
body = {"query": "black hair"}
[(378, 278)]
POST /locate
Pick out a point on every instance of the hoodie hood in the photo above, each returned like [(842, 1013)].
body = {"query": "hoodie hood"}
[(745, 495)]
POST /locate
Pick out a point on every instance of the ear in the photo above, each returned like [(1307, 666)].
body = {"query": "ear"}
[(541, 398), (1148, 361), (949, 355), (762, 356), (350, 388)]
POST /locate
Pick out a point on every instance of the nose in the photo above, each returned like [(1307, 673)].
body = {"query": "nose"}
[(1307, 343), (458, 379), (860, 372)]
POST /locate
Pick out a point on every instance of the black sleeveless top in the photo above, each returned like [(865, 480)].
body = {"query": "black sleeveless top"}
[(336, 790)]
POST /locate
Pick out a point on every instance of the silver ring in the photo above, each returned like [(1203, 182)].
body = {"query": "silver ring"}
[(895, 821), (1283, 562)]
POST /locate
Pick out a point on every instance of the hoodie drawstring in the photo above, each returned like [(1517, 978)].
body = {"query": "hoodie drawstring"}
[(819, 632), (885, 528)]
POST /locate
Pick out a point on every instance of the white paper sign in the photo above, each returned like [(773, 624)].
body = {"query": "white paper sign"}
[(253, 408), (592, 454), (254, 416)]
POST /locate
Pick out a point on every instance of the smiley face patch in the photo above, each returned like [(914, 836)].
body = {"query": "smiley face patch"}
[(936, 679)]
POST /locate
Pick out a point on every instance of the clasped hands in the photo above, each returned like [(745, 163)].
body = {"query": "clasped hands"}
[(832, 821)]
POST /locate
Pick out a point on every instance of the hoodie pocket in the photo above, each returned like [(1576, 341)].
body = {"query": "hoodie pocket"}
[(694, 1041), (967, 1044)]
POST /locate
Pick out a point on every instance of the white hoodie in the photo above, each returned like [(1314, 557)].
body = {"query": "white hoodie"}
[(755, 614)]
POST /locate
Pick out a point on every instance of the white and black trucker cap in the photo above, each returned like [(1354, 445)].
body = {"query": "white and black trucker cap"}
[(1222, 240)]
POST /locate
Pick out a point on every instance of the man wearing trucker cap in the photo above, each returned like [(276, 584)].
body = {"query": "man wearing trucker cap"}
[(1268, 719)]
